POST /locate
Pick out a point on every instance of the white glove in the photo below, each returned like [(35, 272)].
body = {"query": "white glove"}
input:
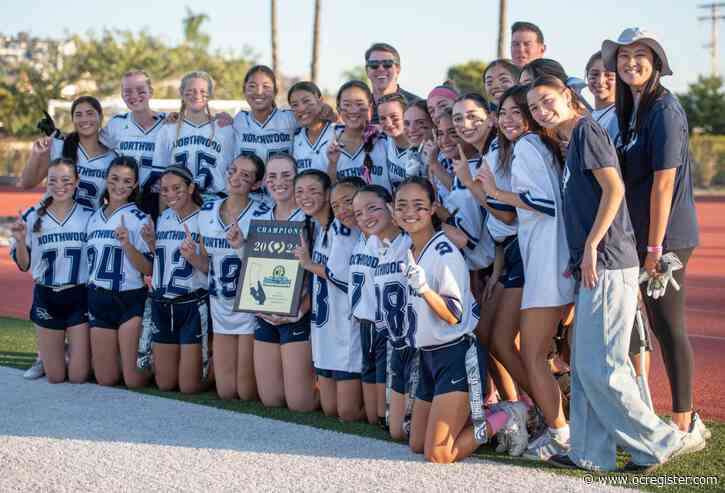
[(416, 276), (657, 285)]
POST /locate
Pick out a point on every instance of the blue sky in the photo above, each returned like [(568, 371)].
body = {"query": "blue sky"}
[(430, 35)]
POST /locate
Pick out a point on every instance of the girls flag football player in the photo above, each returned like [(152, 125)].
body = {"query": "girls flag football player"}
[(49, 240)]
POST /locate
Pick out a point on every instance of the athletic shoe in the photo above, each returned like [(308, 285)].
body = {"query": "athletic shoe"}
[(563, 461), (515, 427), (545, 447), (697, 425), (692, 442), (639, 468), (34, 372)]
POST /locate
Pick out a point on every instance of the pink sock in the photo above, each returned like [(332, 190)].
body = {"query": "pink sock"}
[(526, 400), (496, 421)]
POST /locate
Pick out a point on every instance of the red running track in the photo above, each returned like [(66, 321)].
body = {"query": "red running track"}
[(705, 286)]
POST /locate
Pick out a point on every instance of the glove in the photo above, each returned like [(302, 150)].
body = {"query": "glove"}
[(657, 285), (416, 276)]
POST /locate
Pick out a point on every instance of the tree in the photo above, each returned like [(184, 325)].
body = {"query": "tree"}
[(315, 65), (704, 104), (357, 72), (192, 30), (467, 76), (502, 28)]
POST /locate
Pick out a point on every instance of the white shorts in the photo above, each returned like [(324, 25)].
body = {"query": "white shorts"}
[(226, 321)]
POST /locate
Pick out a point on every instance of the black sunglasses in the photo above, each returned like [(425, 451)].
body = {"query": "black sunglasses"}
[(374, 64)]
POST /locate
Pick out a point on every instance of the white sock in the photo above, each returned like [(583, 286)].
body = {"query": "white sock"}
[(561, 434)]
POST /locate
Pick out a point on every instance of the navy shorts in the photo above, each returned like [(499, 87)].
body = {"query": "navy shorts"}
[(110, 309), (513, 264), (180, 321), (282, 334), (443, 368), (336, 375), (400, 360), (59, 309), (374, 349)]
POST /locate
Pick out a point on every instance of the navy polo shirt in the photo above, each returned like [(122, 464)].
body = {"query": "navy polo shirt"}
[(591, 148), (661, 143)]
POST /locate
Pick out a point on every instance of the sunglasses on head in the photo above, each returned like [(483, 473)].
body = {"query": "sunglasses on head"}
[(374, 64)]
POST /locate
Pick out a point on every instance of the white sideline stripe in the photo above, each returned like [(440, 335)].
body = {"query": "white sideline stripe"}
[(86, 437)]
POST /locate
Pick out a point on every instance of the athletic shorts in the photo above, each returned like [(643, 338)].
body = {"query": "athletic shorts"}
[(59, 308), (282, 334), (443, 368), (111, 309), (513, 264), (400, 361), (180, 321), (336, 375), (374, 349)]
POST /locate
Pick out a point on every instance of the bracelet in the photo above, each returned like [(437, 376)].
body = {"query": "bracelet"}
[(654, 249)]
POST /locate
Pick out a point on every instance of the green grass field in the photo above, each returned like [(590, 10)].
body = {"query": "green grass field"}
[(17, 350)]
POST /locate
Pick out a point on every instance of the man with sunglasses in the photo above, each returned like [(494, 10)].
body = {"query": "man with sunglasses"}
[(382, 64)]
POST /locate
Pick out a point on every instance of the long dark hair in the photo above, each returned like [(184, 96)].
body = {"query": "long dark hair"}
[(624, 101), (124, 162), (481, 102), (264, 70), (184, 173), (48, 200), (369, 137), (73, 139), (505, 155), (430, 191), (324, 180)]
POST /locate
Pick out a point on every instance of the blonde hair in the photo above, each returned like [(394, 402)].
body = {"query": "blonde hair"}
[(138, 71), (196, 74)]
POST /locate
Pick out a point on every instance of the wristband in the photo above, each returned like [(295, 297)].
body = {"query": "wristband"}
[(654, 249)]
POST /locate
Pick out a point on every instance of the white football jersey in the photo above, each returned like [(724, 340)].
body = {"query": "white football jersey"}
[(205, 149), (447, 274), (350, 163), (310, 155), (536, 178), (91, 171), (335, 338), (296, 215), (128, 138), (470, 217), (57, 251), (265, 139), (398, 161), (108, 265), (225, 265), (394, 314), (173, 275), (498, 229), (361, 290)]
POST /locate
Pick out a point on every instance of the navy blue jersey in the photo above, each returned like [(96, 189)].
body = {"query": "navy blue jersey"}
[(661, 143), (590, 148)]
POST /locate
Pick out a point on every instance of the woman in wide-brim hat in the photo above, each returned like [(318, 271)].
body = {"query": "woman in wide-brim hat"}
[(655, 160)]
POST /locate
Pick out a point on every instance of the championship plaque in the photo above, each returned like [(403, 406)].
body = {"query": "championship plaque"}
[(271, 277)]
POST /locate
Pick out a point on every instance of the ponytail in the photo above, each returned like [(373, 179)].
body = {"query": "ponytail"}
[(44, 204)]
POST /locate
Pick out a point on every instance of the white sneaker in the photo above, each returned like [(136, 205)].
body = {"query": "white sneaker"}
[(697, 425), (691, 442), (545, 447), (515, 428), (35, 372)]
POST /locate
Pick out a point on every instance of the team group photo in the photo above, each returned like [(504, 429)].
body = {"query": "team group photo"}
[(493, 262)]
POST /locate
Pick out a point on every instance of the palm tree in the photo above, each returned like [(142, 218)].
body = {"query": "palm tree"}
[(192, 29), (315, 66), (275, 67), (502, 26)]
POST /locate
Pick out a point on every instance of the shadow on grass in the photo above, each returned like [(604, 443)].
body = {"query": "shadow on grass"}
[(15, 359)]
